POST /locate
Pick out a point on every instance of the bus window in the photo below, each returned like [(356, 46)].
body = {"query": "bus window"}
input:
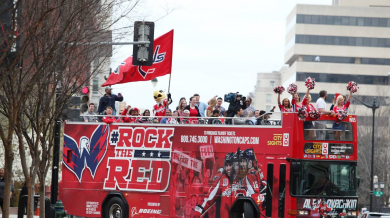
[(327, 130), (268, 196), (325, 179), (282, 189)]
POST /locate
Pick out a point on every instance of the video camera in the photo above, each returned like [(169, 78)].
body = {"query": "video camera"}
[(232, 97)]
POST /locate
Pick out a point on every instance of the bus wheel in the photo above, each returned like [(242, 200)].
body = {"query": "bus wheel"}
[(115, 208), (249, 211)]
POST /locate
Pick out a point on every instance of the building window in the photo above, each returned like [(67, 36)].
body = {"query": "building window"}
[(346, 60), (328, 59), (268, 108), (272, 83), (360, 21), (344, 78), (341, 40), (307, 19), (375, 21), (343, 20), (337, 20), (95, 86), (258, 83), (268, 98)]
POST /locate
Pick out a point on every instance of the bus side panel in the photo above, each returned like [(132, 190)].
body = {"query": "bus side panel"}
[(149, 163)]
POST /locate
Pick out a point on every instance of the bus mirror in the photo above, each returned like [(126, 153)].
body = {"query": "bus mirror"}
[(296, 167)]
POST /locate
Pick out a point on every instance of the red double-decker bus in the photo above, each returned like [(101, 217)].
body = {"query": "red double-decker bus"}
[(287, 168)]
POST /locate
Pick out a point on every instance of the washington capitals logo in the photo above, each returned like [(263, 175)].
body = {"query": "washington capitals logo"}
[(157, 58), (87, 153), (116, 71)]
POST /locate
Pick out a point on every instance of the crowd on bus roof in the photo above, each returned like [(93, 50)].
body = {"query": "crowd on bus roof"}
[(194, 110)]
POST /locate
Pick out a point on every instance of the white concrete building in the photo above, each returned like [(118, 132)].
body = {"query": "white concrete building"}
[(349, 40)]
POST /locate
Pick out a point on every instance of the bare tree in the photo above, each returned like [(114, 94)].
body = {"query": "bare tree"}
[(382, 144), (57, 43)]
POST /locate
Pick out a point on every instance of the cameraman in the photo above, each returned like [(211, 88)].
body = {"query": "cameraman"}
[(238, 102)]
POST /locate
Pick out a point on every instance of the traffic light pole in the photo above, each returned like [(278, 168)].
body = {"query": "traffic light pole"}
[(56, 153), (110, 43), (374, 106)]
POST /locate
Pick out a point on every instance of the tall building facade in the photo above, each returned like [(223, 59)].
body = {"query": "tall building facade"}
[(349, 40), (264, 97)]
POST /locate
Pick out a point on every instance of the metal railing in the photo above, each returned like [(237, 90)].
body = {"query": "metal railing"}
[(274, 119)]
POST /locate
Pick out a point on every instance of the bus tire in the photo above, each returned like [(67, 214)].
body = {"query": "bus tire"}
[(115, 208), (249, 212)]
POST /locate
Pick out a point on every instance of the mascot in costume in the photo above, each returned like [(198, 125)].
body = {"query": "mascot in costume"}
[(162, 103)]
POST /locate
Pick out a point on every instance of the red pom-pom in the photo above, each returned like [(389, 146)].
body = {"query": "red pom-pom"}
[(315, 114), (342, 114), (302, 113), (292, 89), (352, 86), (310, 83), (279, 89)]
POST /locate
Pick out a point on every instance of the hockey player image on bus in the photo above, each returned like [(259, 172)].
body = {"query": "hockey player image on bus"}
[(323, 208), (253, 181), (236, 179), (220, 191)]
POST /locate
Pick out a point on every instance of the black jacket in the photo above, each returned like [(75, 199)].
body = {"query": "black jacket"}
[(106, 101), (189, 109), (232, 107)]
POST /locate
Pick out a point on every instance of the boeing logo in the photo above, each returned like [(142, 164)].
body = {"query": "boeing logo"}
[(157, 58)]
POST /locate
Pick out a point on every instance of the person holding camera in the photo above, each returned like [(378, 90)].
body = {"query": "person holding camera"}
[(238, 102), (249, 107)]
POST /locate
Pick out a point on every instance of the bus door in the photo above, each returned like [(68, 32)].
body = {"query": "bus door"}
[(277, 188)]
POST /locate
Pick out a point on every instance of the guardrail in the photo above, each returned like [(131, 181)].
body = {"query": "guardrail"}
[(274, 118)]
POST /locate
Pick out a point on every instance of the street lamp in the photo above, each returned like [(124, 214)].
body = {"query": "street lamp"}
[(382, 185), (374, 106)]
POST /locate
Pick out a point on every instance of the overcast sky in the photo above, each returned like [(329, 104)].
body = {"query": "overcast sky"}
[(219, 46)]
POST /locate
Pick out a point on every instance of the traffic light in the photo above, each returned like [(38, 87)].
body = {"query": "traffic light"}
[(5, 25), (72, 110), (9, 19), (84, 99), (143, 53)]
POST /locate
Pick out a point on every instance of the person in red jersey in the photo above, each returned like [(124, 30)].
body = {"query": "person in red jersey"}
[(339, 127), (285, 106), (296, 102), (323, 208), (220, 192), (159, 109), (193, 109), (109, 118), (308, 124), (131, 113)]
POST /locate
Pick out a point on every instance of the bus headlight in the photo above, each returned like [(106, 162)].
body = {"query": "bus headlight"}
[(303, 212)]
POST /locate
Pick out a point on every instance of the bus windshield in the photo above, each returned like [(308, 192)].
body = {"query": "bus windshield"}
[(323, 178)]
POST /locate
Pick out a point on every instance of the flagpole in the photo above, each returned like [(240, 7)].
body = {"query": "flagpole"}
[(169, 85)]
